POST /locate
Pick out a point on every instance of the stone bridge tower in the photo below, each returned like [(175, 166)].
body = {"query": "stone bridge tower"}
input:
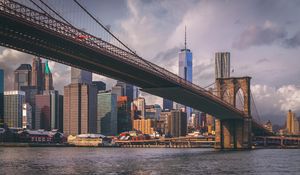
[(233, 133)]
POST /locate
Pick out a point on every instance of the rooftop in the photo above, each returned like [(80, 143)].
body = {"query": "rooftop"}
[(24, 67)]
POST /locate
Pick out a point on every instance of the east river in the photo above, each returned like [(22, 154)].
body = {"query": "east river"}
[(71, 160)]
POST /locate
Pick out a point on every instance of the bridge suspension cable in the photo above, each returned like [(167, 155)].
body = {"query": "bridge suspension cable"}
[(39, 7), (255, 108), (209, 85)]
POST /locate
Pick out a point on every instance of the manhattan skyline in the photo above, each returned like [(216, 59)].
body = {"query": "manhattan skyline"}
[(264, 48)]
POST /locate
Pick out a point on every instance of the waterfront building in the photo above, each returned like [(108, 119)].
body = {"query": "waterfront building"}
[(1, 98), (146, 126), (124, 121), (222, 65), (107, 113), (167, 104), (41, 136), (185, 71), (26, 116), (13, 101), (79, 109), (88, 140), (100, 85), (37, 78), (22, 76)]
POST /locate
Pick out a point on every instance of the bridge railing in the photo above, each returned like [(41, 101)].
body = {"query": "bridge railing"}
[(69, 32)]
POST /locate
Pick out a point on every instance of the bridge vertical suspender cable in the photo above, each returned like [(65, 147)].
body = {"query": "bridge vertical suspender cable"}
[(98, 22), (123, 44), (254, 105), (39, 7), (46, 13), (55, 12)]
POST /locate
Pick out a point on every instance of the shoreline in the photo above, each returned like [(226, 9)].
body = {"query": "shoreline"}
[(17, 144)]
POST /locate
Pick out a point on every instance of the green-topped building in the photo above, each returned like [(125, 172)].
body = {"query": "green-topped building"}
[(48, 78)]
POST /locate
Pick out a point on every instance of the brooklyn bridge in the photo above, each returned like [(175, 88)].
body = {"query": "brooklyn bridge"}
[(35, 31)]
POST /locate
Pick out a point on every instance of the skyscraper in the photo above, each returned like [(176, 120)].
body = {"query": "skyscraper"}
[(222, 65), (47, 111), (107, 113), (124, 120), (13, 101), (79, 109), (80, 102), (37, 78), (42, 112), (22, 76), (292, 123), (48, 78), (138, 108), (177, 123), (186, 69), (1, 98), (128, 90), (80, 76)]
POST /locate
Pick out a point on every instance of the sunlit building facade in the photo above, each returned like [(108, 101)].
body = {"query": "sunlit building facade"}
[(13, 102)]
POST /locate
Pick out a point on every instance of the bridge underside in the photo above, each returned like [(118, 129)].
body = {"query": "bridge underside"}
[(193, 100)]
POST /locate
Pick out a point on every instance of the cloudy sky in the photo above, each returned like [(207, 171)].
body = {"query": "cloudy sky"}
[(263, 38)]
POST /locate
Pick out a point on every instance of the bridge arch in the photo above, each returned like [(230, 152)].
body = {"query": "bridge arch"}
[(239, 99), (236, 91)]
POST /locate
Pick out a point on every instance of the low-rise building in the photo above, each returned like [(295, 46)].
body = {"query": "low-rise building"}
[(88, 140)]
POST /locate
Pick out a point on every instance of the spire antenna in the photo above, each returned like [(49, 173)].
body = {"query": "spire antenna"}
[(184, 37)]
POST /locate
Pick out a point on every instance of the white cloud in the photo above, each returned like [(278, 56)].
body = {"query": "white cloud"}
[(10, 60), (273, 103)]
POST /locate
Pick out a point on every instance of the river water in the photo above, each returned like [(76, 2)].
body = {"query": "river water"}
[(43, 161)]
